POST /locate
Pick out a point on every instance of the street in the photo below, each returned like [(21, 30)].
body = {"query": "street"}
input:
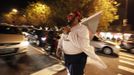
[(34, 61), (122, 65), (126, 64), (37, 63)]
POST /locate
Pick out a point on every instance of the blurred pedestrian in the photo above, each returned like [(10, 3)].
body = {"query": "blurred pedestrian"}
[(51, 41), (41, 34)]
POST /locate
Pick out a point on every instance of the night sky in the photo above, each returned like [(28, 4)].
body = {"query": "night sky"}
[(7, 5)]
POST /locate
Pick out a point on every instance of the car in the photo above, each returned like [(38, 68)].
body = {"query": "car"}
[(30, 34), (128, 45), (107, 47), (12, 42)]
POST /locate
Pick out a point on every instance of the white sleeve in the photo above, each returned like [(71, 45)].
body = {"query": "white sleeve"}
[(84, 41)]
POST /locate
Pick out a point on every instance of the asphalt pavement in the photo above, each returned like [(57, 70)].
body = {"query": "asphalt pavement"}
[(121, 65), (37, 62), (34, 61)]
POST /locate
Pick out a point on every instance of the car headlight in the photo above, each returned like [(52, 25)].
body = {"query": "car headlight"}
[(24, 43), (117, 46)]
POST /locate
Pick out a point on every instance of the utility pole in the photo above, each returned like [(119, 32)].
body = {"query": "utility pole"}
[(126, 8), (125, 20)]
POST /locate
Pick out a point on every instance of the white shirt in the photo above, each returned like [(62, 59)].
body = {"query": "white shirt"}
[(77, 41)]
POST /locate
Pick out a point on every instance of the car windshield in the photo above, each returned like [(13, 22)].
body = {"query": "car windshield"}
[(95, 38), (9, 30), (131, 38)]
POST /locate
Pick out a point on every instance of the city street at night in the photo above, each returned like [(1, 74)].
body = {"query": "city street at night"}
[(66, 37)]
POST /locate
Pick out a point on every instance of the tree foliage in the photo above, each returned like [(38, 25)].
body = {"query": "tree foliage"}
[(61, 8), (54, 12), (37, 13), (109, 8)]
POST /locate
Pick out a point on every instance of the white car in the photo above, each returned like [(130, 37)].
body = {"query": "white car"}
[(107, 47), (12, 41), (128, 45)]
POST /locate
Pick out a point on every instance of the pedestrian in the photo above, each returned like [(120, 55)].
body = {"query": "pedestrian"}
[(75, 44), (51, 41), (41, 34)]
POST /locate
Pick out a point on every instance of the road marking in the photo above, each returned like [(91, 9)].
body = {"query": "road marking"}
[(126, 69), (119, 74), (126, 62), (124, 54), (39, 50), (130, 59), (50, 70)]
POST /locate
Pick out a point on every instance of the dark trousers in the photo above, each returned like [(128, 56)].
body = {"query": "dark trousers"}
[(75, 63)]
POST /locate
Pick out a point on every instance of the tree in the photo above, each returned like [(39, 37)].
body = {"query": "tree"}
[(54, 12), (109, 8), (37, 13), (61, 8)]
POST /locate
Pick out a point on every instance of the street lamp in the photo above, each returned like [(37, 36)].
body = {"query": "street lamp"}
[(14, 10), (126, 8), (125, 21), (125, 14)]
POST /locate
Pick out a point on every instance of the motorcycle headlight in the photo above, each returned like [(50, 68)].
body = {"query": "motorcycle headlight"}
[(25, 43), (43, 38)]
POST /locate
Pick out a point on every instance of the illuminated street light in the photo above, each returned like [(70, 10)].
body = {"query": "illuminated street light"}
[(11, 17), (14, 10)]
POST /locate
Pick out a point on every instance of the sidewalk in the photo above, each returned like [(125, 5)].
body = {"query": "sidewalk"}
[(51, 69)]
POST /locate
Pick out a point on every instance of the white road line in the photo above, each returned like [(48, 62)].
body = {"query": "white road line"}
[(130, 59), (119, 74), (39, 50), (50, 70), (127, 62), (126, 69), (127, 55)]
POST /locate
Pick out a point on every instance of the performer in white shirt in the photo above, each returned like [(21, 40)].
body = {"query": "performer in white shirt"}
[(75, 44)]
